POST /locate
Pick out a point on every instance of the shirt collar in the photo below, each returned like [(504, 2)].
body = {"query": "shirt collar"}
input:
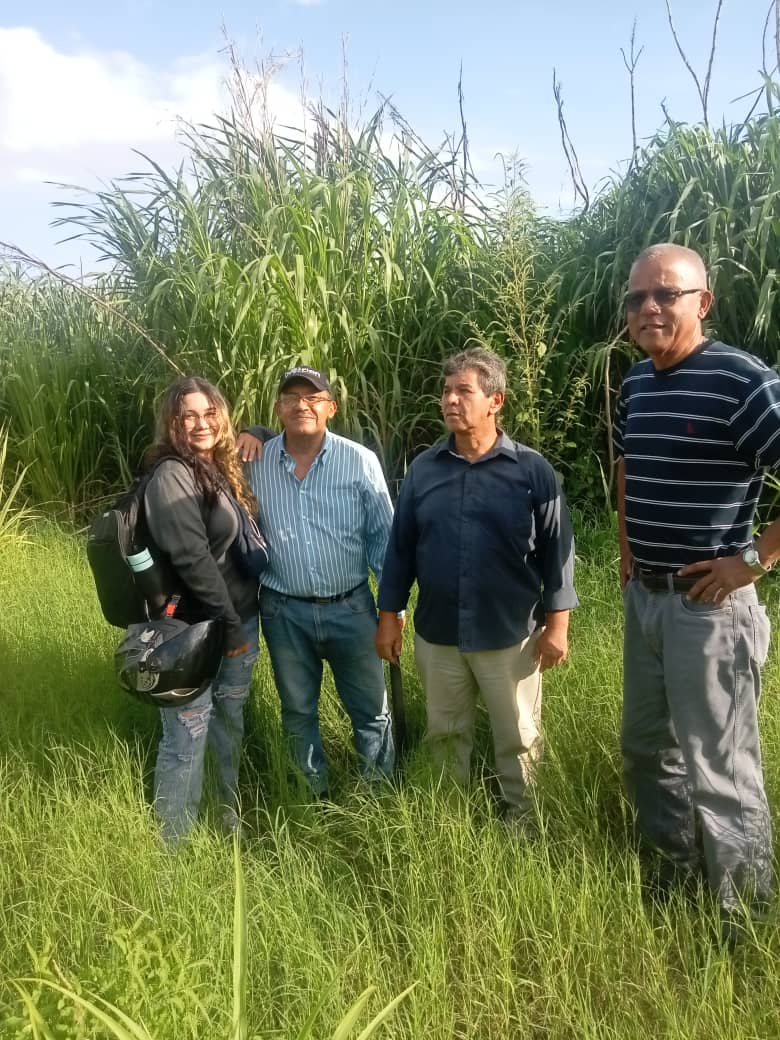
[(503, 446), (326, 444)]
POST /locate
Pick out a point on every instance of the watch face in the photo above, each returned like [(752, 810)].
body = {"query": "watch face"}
[(753, 561)]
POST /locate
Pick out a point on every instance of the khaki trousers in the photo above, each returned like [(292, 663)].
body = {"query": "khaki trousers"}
[(511, 685)]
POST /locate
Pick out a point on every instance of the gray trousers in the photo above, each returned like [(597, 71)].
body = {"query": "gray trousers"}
[(690, 737)]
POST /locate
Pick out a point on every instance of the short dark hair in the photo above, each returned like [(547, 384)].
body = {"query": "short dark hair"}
[(490, 368)]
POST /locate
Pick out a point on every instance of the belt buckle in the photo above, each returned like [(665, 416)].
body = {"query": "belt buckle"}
[(651, 579)]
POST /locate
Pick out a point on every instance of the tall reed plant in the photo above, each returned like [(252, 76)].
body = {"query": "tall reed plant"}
[(337, 253), (547, 386), (15, 516), (337, 247), (714, 190), (76, 390)]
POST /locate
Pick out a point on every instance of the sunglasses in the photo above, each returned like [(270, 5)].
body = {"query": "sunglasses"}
[(660, 297)]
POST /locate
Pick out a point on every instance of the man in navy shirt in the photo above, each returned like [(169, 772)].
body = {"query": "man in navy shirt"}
[(697, 424), (482, 527)]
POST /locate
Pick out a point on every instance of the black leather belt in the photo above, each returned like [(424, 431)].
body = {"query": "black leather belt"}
[(656, 579), (322, 600)]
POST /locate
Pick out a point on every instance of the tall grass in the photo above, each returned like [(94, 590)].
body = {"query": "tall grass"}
[(76, 389), (714, 190), (417, 885), (547, 386), (15, 516), (123, 1027), (271, 253), (337, 247)]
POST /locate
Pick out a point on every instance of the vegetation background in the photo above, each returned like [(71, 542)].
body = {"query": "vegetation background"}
[(362, 251), (372, 260)]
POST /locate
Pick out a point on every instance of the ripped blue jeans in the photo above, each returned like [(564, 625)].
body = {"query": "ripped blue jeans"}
[(215, 719)]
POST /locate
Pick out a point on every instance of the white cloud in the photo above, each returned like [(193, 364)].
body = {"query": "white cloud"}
[(55, 102), (74, 116)]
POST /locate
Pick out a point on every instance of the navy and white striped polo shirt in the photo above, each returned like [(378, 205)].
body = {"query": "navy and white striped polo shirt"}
[(696, 439)]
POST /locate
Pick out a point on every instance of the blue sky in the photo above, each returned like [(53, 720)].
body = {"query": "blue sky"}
[(83, 83)]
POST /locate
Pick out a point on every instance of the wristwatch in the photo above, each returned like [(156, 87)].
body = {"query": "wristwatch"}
[(751, 558)]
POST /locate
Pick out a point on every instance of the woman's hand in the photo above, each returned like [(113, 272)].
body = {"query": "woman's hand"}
[(238, 650)]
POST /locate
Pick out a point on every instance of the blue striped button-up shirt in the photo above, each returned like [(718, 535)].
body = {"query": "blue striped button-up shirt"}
[(325, 531)]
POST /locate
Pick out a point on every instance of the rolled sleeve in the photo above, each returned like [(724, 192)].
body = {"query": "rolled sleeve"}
[(262, 433)]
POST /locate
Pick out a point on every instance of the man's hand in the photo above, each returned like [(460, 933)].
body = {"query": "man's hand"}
[(389, 636), (237, 651), (719, 578), (248, 448), (552, 643)]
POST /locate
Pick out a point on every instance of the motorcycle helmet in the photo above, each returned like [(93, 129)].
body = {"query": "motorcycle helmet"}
[(167, 661)]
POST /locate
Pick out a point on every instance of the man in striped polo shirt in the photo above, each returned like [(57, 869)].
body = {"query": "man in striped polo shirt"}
[(697, 424), (326, 512)]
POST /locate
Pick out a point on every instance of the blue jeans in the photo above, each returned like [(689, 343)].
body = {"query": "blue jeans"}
[(300, 636), (214, 719)]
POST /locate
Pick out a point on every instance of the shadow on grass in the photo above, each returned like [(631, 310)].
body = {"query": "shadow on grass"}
[(52, 698)]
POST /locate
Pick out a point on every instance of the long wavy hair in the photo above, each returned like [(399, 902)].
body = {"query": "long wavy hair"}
[(171, 439)]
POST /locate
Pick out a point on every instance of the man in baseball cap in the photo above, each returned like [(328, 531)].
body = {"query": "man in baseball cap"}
[(326, 512)]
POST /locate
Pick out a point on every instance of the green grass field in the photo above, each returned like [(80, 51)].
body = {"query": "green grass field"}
[(419, 885)]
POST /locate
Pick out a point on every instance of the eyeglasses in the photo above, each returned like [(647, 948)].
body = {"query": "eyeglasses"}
[(192, 418), (288, 400), (660, 297)]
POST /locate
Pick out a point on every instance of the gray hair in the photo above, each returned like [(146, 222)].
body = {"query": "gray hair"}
[(673, 251), (490, 368)]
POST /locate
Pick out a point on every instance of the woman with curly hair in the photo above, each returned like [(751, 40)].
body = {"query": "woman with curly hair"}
[(193, 507)]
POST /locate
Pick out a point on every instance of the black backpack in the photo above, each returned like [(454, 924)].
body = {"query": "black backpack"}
[(116, 534)]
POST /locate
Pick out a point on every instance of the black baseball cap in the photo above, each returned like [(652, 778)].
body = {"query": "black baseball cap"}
[(311, 375)]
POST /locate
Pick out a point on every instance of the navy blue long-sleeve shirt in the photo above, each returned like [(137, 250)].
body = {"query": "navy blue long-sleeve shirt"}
[(489, 543)]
